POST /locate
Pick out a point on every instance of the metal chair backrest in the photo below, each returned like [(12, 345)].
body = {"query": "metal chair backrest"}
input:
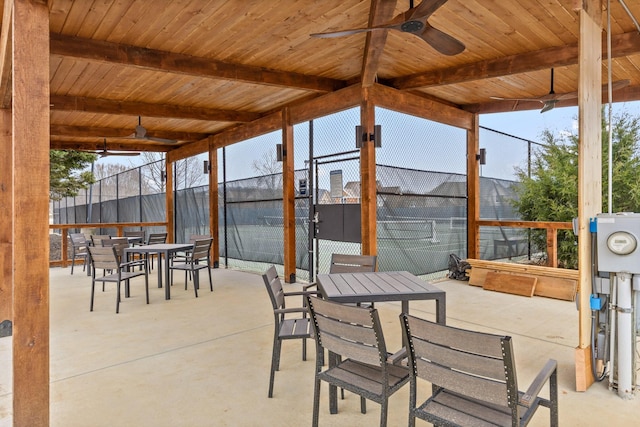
[(195, 237), (274, 289), (349, 331), (134, 233), (473, 377), (119, 244), (476, 357), (104, 257), (141, 234), (78, 240), (157, 238), (341, 263), (96, 239), (201, 249)]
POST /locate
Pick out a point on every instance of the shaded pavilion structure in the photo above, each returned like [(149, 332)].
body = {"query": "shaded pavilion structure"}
[(201, 75)]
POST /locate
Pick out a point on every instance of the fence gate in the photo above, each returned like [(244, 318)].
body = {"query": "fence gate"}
[(335, 211)]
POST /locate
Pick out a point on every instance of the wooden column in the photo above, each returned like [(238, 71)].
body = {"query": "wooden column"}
[(288, 198), (31, 213), (213, 204), (552, 244), (473, 190), (368, 199), (589, 169), (6, 223), (168, 189)]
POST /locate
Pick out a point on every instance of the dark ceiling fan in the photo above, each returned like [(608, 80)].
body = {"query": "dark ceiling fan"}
[(550, 100), (413, 21), (105, 153), (141, 133)]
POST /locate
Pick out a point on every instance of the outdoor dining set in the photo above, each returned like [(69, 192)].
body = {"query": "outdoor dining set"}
[(472, 374), (119, 259)]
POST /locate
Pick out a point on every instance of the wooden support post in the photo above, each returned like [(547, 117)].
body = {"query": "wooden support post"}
[(6, 224), (368, 196), (168, 189), (552, 247), (473, 190), (213, 204), (589, 169), (64, 240), (31, 141), (288, 198)]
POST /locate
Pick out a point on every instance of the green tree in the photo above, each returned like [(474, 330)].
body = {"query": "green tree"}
[(550, 193), (68, 173)]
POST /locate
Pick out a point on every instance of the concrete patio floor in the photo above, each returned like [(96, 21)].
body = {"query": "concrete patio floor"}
[(205, 361)]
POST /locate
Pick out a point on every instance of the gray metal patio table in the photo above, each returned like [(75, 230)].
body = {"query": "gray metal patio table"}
[(162, 249), (382, 286)]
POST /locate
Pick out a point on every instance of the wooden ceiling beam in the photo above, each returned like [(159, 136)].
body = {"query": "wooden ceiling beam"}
[(264, 125), (100, 132), (622, 45), (151, 147), (109, 106), (405, 102), (150, 59), (381, 11)]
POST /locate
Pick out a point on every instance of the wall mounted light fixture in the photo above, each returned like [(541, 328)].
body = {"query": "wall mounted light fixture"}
[(376, 136), (482, 156), (206, 167)]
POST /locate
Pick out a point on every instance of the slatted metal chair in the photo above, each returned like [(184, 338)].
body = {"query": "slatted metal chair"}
[(155, 239), (197, 259), (345, 263), (135, 237), (358, 357), (342, 263), (96, 239), (184, 255), (286, 326), (79, 244), (119, 243), (473, 377), (106, 258)]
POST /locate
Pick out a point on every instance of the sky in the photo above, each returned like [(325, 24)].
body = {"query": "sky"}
[(530, 124)]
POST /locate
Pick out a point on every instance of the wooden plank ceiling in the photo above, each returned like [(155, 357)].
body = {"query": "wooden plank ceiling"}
[(194, 68)]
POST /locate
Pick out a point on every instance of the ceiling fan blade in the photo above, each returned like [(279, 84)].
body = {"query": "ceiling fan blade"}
[(554, 97), (152, 138), (112, 153), (549, 105), (442, 42), (333, 34), (618, 84), (413, 21), (424, 10), (499, 98)]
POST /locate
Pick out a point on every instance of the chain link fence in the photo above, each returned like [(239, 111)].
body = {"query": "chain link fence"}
[(421, 195), (504, 153)]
